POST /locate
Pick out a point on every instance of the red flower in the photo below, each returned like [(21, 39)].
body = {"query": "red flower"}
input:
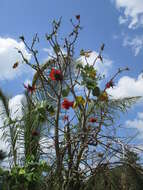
[(56, 74), (109, 84), (92, 120), (66, 104), (65, 118), (35, 133), (30, 88), (77, 17)]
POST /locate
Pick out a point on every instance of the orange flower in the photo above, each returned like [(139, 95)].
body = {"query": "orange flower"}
[(66, 104), (56, 74)]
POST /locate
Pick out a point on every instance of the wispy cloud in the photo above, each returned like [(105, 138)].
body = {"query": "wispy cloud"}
[(132, 12), (135, 43), (136, 123)]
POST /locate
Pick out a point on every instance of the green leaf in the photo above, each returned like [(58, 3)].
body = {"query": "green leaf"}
[(50, 109), (65, 92), (96, 91), (90, 84), (29, 177), (82, 52), (22, 171), (79, 64)]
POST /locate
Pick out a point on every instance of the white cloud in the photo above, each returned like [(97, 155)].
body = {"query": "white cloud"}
[(135, 43), (127, 87), (122, 20), (50, 53), (132, 12), (102, 68), (137, 123), (9, 55)]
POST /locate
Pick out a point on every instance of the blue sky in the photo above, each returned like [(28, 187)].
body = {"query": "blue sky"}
[(117, 23), (100, 21)]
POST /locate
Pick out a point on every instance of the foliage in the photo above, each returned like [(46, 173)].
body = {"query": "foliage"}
[(124, 176), (68, 120), (30, 176)]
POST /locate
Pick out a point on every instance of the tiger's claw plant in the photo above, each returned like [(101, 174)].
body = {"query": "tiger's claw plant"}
[(68, 120)]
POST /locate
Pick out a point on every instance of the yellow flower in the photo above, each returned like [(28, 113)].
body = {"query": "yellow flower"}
[(92, 74), (104, 96), (79, 101), (52, 113)]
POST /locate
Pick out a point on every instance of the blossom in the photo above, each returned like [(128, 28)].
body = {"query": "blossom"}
[(92, 74), (30, 88), (66, 104), (56, 74), (104, 96), (92, 120), (79, 101), (109, 84)]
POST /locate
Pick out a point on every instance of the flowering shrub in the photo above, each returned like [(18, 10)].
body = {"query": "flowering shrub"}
[(74, 143)]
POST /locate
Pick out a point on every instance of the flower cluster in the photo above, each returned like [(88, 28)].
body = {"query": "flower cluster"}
[(103, 96), (110, 84), (56, 75), (79, 101), (66, 104)]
